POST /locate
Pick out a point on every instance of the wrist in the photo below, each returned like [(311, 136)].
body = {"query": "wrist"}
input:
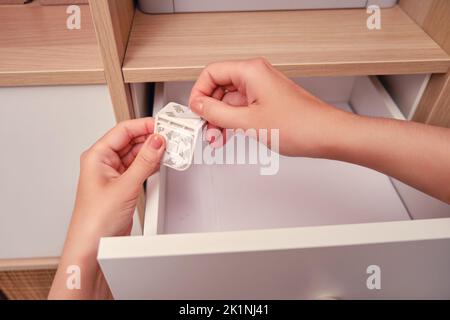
[(80, 257), (82, 239), (79, 264), (341, 135)]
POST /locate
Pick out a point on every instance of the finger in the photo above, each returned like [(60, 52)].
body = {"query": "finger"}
[(125, 150), (221, 114), (128, 159), (131, 144), (213, 135), (219, 74), (220, 139), (218, 93), (121, 169), (146, 162), (125, 132), (235, 99), (209, 129)]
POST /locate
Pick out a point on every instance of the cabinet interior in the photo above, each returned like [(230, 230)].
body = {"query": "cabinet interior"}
[(304, 192)]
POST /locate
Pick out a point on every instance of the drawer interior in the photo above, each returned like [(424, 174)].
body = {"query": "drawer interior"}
[(304, 192), (166, 6), (406, 90)]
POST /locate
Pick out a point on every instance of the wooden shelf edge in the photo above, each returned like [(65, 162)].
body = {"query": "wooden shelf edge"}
[(82, 77), (28, 264), (139, 75), (154, 39)]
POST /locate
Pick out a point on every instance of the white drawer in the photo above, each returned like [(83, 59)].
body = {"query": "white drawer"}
[(310, 231)]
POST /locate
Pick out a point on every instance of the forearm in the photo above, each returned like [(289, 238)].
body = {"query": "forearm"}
[(417, 154), (80, 252), (112, 172)]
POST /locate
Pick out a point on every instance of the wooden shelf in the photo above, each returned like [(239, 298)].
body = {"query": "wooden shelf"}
[(36, 48), (173, 47)]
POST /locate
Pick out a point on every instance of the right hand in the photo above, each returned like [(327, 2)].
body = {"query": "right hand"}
[(251, 94)]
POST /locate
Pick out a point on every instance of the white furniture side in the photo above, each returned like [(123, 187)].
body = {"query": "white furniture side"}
[(43, 131)]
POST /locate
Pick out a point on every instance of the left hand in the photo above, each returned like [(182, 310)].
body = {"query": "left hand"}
[(112, 174)]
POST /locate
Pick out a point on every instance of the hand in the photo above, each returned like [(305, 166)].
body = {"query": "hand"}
[(251, 94), (112, 174)]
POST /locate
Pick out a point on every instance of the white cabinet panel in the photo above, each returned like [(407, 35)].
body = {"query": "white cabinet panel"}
[(43, 131)]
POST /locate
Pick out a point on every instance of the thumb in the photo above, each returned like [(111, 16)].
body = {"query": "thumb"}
[(221, 114), (147, 161)]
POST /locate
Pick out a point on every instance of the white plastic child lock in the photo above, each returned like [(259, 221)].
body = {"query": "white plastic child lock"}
[(181, 129)]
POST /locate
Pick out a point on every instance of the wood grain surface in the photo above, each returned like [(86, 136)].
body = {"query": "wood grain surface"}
[(171, 47), (36, 48)]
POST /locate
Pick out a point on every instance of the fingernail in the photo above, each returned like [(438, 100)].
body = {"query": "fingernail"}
[(156, 142)]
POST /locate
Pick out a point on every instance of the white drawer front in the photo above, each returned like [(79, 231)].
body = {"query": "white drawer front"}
[(312, 262)]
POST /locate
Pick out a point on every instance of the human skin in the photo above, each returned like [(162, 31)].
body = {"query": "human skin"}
[(112, 173), (248, 94), (253, 94)]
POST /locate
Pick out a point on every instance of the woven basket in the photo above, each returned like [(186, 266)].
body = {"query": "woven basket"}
[(26, 284)]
